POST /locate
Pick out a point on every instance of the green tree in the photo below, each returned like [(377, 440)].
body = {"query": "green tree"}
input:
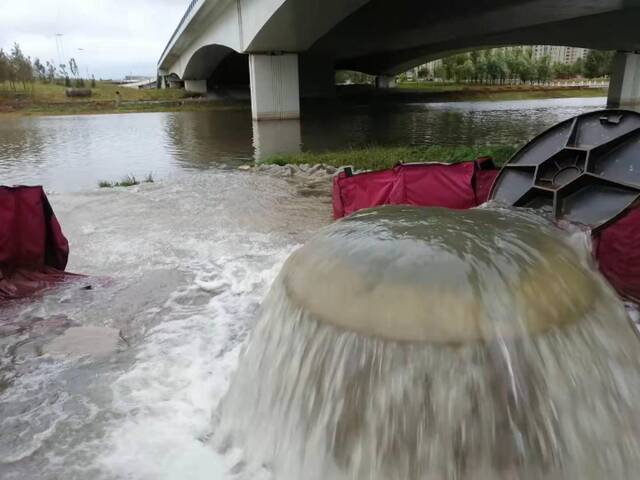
[(543, 70), (503, 70), (51, 72), (73, 67), (577, 69), (440, 72), (4, 67), (464, 71), (39, 70), (480, 65), (12, 70), (449, 65), (598, 63), (496, 67), (563, 71), (506, 64), (21, 68), (475, 57), (349, 76), (512, 60)]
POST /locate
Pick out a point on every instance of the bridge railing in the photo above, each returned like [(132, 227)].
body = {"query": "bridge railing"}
[(192, 4)]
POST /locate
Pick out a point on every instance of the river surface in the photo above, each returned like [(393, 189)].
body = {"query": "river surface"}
[(180, 266), (74, 153)]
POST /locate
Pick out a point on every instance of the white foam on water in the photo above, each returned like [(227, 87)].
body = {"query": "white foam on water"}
[(165, 402), (188, 263)]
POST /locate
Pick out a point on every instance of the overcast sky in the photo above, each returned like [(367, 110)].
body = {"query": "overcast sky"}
[(109, 38)]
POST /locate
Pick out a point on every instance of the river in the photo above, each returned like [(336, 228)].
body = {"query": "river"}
[(180, 267), (73, 153)]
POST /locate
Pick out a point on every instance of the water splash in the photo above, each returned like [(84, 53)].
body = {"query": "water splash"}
[(406, 343)]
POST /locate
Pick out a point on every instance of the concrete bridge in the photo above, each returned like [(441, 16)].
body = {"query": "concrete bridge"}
[(285, 49)]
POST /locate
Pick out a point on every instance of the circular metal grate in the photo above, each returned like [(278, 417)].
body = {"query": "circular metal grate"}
[(585, 169)]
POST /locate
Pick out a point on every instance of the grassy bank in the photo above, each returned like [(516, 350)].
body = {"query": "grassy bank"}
[(377, 158), (50, 99), (106, 107), (449, 92)]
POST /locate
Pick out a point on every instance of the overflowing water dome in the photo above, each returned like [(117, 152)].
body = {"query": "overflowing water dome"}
[(424, 343)]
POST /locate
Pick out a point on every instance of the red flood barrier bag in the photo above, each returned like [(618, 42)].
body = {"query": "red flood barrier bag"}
[(617, 249), (33, 249), (459, 186), (466, 185)]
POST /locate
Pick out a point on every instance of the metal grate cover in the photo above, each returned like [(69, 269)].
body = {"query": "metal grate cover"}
[(585, 170)]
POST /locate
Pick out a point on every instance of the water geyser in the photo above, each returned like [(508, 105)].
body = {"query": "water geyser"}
[(406, 343)]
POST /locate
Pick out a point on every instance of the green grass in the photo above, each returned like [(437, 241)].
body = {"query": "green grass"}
[(433, 86), (47, 92), (91, 108), (439, 91), (378, 158), (50, 99), (126, 181)]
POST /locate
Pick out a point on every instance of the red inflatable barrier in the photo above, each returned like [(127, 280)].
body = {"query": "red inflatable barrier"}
[(33, 250), (617, 249), (466, 185), (459, 186)]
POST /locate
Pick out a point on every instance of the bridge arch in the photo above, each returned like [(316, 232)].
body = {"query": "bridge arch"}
[(205, 60), (218, 65), (214, 65), (293, 43)]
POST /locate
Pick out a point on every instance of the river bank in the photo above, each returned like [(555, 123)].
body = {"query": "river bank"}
[(436, 92), (378, 158), (50, 99)]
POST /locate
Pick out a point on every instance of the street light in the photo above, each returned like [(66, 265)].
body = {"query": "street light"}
[(81, 52), (59, 47)]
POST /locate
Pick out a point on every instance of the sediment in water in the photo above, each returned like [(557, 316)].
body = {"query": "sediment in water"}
[(406, 343)]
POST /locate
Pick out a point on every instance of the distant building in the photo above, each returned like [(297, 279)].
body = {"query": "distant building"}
[(558, 54)]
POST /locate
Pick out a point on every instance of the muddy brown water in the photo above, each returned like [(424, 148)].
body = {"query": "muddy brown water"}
[(179, 267)]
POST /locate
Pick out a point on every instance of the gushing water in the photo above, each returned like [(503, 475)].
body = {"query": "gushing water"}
[(406, 343)]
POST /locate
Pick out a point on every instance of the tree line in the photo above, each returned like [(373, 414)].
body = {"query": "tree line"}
[(518, 64), (17, 69)]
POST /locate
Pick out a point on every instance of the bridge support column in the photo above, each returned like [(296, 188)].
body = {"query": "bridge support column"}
[(385, 81), (275, 89), (276, 137), (195, 86), (624, 88)]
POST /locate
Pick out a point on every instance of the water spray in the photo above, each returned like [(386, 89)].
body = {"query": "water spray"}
[(411, 343)]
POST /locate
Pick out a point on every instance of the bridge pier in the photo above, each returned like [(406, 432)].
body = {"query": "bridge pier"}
[(624, 88), (195, 86), (385, 81), (275, 89), (276, 137)]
